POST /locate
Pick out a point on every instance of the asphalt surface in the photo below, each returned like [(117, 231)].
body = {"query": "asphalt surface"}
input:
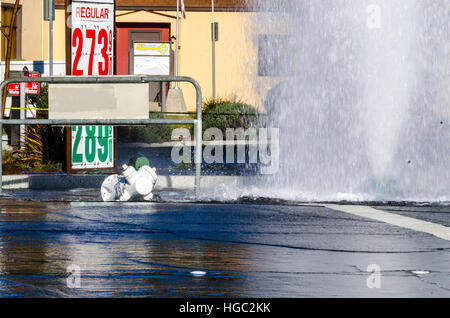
[(244, 250)]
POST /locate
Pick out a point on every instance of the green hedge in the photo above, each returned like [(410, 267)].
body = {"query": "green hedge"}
[(223, 114), (147, 134), (219, 113)]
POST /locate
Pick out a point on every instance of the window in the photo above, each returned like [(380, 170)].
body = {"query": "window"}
[(7, 10)]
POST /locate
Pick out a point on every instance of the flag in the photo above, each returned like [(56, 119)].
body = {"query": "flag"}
[(183, 10)]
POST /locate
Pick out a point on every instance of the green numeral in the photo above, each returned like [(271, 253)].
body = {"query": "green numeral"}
[(103, 136), (90, 143), (110, 142), (76, 156)]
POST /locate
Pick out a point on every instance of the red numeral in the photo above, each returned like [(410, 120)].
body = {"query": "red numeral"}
[(90, 34), (103, 39), (77, 35)]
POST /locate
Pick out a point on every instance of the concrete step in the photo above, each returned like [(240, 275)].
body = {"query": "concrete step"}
[(69, 181)]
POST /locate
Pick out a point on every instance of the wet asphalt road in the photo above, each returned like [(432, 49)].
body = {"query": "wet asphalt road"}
[(246, 250)]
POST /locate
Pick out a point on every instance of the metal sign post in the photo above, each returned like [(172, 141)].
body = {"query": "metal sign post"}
[(49, 15), (176, 41), (50, 39), (1, 49), (213, 39), (22, 115)]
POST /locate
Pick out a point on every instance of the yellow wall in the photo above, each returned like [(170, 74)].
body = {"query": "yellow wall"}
[(35, 31), (235, 52)]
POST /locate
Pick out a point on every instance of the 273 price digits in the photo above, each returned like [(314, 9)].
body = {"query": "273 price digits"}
[(103, 39)]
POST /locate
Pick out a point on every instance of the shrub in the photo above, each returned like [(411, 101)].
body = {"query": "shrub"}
[(223, 114), (13, 165), (43, 144), (147, 134)]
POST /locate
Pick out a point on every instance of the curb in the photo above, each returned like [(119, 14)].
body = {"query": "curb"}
[(71, 181)]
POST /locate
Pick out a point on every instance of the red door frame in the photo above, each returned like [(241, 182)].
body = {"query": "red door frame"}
[(122, 31)]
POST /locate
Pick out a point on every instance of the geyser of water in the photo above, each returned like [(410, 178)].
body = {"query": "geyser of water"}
[(362, 102)]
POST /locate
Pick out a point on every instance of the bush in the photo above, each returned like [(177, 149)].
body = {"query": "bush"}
[(147, 134), (43, 144), (223, 114), (219, 113), (12, 164)]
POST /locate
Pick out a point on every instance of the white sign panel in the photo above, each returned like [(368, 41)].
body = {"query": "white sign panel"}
[(151, 65), (92, 37), (152, 58), (98, 100), (92, 147), (96, 1)]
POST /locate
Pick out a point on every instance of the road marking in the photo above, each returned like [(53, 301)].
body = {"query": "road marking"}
[(437, 230), (198, 273)]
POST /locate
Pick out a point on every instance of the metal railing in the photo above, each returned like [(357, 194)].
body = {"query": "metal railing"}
[(197, 122)]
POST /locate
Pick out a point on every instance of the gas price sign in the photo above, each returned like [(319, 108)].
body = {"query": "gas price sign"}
[(92, 37), (92, 147)]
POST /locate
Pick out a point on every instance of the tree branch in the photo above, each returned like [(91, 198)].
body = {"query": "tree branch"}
[(10, 39)]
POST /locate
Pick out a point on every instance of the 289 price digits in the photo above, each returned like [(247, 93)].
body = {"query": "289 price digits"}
[(92, 145)]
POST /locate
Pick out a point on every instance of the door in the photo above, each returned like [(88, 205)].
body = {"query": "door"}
[(136, 35)]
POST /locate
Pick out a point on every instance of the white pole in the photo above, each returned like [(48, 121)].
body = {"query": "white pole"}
[(22, 114), (0, 25), (213, 52), (50, 33), (176, 49)]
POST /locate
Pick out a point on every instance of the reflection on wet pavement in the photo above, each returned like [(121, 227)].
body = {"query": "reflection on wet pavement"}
[(150, 249)]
